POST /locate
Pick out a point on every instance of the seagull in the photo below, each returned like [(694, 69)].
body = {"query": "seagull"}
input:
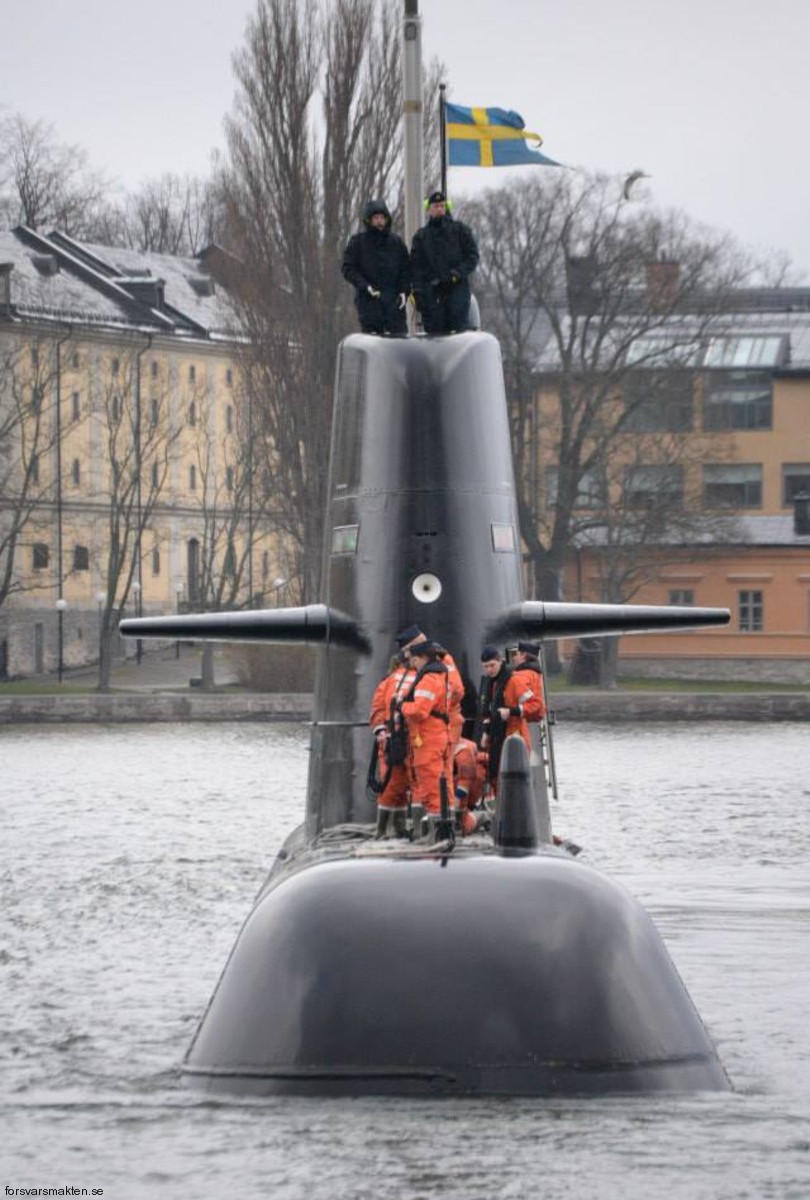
[(632, 178)]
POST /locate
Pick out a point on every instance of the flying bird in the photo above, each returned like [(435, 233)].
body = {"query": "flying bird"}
[(632, 178)]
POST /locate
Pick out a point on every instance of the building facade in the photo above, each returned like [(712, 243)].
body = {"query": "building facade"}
[(719, 461), (127, 474)]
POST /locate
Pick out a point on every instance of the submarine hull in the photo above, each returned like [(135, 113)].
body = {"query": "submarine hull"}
[(467, 974)]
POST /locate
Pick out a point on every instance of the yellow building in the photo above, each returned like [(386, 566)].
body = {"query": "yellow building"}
[(731, 451), (126, 475)]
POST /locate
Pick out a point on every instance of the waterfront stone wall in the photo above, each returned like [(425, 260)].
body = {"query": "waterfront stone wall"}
[(585, 705), (734, 670)]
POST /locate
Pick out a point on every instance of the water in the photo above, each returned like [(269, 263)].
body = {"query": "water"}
[(130, 857)]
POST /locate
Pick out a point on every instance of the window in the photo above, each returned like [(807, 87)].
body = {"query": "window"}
[(81, 558), (681, 596), (229, 378), (192, 413), (155, 475), (192, 478), (591, 488), (75, 362), (115, 409), (736, 485), (750, 611), (34, 468), (745, 351), (34, 356), (795, 479), (75, 406), (192, 373), (655, 486), (503, 538), (344, 539), (265, 564), (229, 418), (115, 366), (154, 411), (76, 472), (156, 560), (737, 400), (154, 369), (229, 566), (659, 402), (41, 556), (229, 478), (36, 399)]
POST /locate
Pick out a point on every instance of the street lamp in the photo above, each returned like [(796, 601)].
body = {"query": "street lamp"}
[(136, 588), (61, 605)]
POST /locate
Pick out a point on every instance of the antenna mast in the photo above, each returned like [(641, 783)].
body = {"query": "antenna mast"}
[(412, 117)]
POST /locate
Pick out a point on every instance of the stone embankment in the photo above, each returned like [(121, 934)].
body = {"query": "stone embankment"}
[(585, 705)]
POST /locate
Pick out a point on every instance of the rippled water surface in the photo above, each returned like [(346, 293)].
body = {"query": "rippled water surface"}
[(130, 856)]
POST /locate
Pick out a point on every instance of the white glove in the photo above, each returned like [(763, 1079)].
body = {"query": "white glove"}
[(402, 300), (373, 292)]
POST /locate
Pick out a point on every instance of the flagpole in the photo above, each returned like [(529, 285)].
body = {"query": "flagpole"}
[(443, 137)]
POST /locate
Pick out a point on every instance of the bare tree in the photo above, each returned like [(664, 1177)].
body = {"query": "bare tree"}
[(588, 292), (139, 446), (46, 182), (231, 508), (315, 132), (172, 214), (31, 436)]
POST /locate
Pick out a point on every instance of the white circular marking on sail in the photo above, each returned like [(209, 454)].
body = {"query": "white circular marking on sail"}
[(427, 588)]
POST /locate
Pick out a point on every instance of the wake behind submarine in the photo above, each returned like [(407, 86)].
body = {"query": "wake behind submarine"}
[(488, 966)]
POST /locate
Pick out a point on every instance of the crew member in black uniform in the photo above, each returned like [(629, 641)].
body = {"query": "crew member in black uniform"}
[(377, 265), (444, 254)]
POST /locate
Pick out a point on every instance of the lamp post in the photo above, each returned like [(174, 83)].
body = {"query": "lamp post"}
[(100, 599), (179, 591), (136, 588), (61, 605), (278, 584)]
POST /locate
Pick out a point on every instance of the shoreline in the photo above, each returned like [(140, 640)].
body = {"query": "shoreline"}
[(587, 705)]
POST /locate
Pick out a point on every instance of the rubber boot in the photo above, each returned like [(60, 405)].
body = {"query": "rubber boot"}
[(401, 823), (384, 816)]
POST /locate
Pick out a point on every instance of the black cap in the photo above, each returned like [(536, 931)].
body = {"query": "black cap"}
[(489, 653), (532, 648), (437, 198), (408, 635), (427, 649)]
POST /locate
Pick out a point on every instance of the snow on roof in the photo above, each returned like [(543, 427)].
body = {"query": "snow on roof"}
[(109, 285)]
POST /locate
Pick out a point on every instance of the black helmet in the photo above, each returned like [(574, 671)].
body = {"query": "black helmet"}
[(376, 206)]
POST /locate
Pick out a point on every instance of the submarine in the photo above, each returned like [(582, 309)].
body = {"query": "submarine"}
[(497, 964), (490, 965)]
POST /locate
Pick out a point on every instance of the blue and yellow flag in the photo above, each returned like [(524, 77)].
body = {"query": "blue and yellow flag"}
[(490, 137)]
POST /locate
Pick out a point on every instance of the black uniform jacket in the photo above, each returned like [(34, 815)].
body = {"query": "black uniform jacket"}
[(377, 257), (442, 246)]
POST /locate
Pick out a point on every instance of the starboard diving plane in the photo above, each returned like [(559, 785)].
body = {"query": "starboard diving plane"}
[(487, 966)]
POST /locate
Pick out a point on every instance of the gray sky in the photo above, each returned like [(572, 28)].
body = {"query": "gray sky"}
[(710, 97)]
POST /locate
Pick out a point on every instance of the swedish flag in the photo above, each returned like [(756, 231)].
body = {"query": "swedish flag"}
[(490, 137)]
